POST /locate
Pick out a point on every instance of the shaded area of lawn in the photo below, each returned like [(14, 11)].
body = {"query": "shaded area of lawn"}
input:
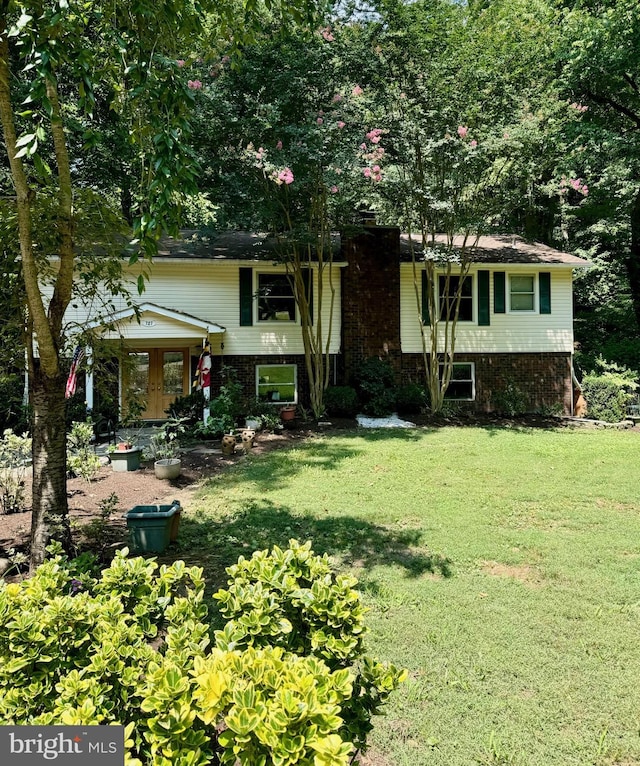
[(350, 540)]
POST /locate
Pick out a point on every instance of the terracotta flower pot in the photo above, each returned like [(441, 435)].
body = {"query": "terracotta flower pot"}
[(287, 413)]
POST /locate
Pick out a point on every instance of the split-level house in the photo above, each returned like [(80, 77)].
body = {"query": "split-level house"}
[(515, 324)]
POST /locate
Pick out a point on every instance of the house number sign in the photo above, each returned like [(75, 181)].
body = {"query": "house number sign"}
[(148, 322)]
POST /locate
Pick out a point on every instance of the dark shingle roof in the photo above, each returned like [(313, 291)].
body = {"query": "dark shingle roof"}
[(251, 246), (500, 249), (228, 245)]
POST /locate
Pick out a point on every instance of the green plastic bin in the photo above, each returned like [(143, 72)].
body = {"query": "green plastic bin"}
[(153, 527)]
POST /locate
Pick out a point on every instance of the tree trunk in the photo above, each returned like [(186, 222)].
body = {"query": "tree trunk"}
[(632, 263), (50, 510)]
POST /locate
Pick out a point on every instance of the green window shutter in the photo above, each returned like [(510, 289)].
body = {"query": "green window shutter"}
[(307, 278), (544, 280), (425, 299), (484, 318), (499, 285), (246, 297)]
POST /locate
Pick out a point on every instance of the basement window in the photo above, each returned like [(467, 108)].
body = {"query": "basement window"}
[(277, 383), (462, 386)]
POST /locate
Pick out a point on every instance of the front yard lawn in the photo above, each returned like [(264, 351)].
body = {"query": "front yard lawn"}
[(501, 567)]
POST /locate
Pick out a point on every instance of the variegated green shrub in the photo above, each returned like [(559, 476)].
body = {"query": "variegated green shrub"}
[(130, 645), (77, 649), (277, 708), (294, 599)]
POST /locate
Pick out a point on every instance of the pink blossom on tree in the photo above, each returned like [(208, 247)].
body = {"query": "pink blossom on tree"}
[(579, 107), (577, 185), (180, 62), (341, 124), (337, 98), (462, 131), (357, 91), (194, 85), (319, 120), (334, 189), (285, 176), (366, 172), (326, 34), (279, 145), (473, 144)]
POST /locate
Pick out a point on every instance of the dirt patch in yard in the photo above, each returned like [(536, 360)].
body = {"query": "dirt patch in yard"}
[(523, 573)]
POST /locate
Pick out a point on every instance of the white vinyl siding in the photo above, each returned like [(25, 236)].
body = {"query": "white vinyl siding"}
[(511, 332), (211, 291)]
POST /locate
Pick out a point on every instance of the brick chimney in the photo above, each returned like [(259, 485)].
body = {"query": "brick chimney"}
[(371, 298)]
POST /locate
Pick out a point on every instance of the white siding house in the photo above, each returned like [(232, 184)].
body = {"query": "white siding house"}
[(516, 325)]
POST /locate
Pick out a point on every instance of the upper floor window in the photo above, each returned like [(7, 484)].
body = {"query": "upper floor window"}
[(276, 302), (522, 292), (448, 298)]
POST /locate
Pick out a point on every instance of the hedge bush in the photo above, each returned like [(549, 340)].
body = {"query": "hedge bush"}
[(375, 383), (341, 401), (609, 393), (294, 600), (131, 645)]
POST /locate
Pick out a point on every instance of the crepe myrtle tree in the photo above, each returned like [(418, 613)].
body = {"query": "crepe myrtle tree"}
[(314, 178), (59, 60), (446, 185)]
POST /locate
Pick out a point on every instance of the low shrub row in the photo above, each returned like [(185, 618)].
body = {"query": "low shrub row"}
[(285, 681)]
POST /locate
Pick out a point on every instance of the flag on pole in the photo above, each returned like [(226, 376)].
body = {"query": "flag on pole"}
[(203, 370), (78, 356)]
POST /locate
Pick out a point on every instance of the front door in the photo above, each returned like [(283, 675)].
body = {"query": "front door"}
[(156, 377)]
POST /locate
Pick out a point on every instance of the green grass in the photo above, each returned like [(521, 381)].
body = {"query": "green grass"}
[(501, 567)]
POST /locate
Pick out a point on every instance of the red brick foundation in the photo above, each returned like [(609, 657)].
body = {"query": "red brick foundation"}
[(543, 379), (244, 368)]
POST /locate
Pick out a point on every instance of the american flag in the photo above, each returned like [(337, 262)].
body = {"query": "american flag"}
[(78, 356)]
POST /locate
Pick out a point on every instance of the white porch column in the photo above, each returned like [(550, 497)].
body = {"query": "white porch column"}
[(89, 378)]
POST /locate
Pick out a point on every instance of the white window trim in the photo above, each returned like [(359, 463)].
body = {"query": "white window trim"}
[(295, 382), (474, 297), (473, 383), (256, 302), (536, 298)]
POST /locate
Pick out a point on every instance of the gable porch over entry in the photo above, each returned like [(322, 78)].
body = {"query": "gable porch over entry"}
[(161, 343)]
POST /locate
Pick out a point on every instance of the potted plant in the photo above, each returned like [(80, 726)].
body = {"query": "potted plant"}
[(256, 410), (288, 412), (124, 456), (164, 449)]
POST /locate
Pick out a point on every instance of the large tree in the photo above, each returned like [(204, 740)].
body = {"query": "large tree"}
[(599, 82), (283, 133), (64, 65)]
